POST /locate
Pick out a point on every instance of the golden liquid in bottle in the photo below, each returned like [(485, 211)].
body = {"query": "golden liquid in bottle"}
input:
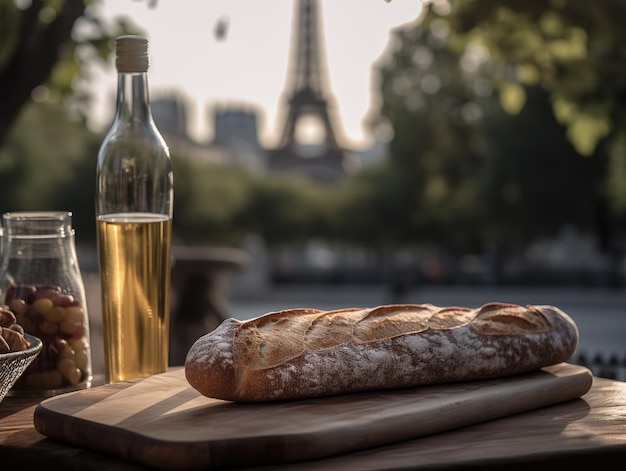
[(134, 254)]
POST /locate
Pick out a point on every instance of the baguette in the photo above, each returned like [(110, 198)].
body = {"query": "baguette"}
[(301, 353)]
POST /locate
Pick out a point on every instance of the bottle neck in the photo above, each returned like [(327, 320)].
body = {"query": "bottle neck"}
[(133, 99)]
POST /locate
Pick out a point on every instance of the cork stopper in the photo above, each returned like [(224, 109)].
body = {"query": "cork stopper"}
[(132, 54)]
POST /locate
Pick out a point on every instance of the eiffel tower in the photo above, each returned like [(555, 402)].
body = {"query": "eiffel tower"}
[(323, 159)]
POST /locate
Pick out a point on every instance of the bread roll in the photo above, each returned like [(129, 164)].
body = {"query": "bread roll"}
[(302, 353)]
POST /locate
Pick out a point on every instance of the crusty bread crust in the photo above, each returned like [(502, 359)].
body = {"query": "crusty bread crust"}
[(302, 353)]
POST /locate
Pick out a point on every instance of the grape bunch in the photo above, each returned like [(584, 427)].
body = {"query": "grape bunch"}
[(60, 321)]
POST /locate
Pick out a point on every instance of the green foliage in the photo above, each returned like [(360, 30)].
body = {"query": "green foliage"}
[(287, 208), (575, 50), (9, 28), (533, 182), (93, 44), (492, 104), (48, 163), (207, 200), (436, 149), (47, 49), (47, 158), (370, 211), (617, 175)]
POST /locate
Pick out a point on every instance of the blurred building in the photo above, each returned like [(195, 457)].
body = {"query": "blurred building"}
[(170, 116), (235, 135)]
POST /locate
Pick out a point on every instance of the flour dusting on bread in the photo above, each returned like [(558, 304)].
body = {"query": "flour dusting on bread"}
[(308, 352)]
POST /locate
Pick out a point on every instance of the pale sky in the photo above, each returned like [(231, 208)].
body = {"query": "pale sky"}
[(250, 66)]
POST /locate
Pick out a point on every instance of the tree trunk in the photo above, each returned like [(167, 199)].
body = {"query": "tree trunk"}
[(38, 50)]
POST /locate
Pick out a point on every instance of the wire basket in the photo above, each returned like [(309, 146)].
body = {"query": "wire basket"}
[(13, 364)]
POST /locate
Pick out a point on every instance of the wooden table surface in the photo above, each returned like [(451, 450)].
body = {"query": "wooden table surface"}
[(590, 431)]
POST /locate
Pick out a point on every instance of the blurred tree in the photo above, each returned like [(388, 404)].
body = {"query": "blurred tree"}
[(494, 105), (576, 51), (534, 183), (47, 163), (368, 212), (288, 209), (44, 47), (430, 101), (208, 200)]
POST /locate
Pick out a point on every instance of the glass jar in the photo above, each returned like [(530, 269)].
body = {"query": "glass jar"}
[(41, 282)]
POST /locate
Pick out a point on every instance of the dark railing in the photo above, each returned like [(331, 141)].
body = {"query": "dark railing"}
[(611, 366)]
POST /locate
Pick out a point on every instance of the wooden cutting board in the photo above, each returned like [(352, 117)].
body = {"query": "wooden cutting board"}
[(163, 423)]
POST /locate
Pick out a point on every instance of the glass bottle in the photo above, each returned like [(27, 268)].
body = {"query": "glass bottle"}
[(134, 208), (41, 282)]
